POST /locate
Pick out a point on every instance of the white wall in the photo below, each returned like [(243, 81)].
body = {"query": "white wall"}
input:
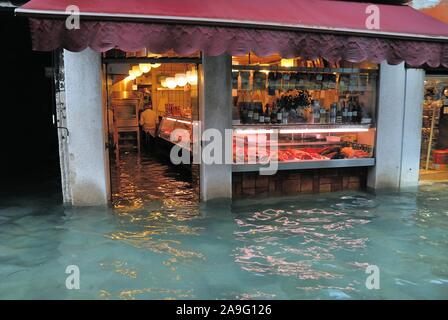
[(216, 112), (398, 128), (412, 129), (87, 178)]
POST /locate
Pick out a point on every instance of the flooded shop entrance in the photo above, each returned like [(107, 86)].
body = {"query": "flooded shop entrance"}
[(434, 152), (148, 98)]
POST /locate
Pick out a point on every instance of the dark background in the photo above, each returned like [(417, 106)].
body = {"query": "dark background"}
[(29, 156)]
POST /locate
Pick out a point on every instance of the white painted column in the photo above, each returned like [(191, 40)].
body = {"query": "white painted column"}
[(387, 171), (87, 168), (215, 111), (399, 124), (412, 128)]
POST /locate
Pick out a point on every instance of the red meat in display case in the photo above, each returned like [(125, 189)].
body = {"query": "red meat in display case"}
[(241, 155)]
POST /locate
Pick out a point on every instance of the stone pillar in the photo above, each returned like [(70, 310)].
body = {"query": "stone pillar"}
[(215, 110), (387, 171), (399, 122), (84, 160), (412, 128)]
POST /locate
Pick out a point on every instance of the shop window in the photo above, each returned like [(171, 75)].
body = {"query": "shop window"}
[(323, 114), (434, 151)]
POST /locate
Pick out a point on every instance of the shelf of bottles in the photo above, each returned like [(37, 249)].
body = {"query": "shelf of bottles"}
[(321, 117)]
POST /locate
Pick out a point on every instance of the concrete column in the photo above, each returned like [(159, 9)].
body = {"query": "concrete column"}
[(387, 171), (86, 167), (412, 128), (399, 122), (215, 110)]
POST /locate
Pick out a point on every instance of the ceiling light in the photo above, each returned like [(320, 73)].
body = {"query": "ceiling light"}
[(145, 67), (181, 79), (171, 82)]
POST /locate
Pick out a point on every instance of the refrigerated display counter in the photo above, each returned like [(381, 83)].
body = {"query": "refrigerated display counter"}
[(303, 146), (182, 128)]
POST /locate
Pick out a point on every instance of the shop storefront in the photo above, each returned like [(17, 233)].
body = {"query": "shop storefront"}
[(343, 103), (434, 152), (323, 117)]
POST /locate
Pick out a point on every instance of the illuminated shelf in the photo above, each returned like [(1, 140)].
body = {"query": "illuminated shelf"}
[(310, 164), (179, 120), (305, 69), (297, 128)]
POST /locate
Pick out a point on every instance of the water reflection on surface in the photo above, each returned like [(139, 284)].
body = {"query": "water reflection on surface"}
[(156, 242), (149, 181)]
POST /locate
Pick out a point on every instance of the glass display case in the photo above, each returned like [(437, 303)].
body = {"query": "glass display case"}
[(181, 128), (303, 117), (303, 146)]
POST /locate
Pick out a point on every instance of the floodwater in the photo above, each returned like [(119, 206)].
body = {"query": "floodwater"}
[(157, 243)]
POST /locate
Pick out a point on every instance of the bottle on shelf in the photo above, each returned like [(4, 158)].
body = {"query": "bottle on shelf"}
[(280, 116), (316, 112), (333, 112), (285, 116), (323, 115), (350, 110), (354, 108), (267, 114), (261, 116), (345, 118), (338, 114), (242, 112), (256, 113), (361, 110), (274, 115), (250, 114)]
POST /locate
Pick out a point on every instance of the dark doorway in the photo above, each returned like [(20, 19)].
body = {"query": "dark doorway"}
[(29, 147)]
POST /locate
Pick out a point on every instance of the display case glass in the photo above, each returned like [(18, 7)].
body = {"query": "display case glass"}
[(175, 130), (303, 114), (303, 146)]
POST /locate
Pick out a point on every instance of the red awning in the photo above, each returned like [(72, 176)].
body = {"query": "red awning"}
[(301, 14), (332, 29)]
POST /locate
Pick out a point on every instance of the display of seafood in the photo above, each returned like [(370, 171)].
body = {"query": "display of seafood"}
[(243, 155)]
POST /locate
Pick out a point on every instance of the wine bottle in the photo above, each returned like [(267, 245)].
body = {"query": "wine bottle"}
[(361, 110), (333, 111), (355, 111), (339, 115), (267, 115), (280, 116), (274, 115), (242, 116), (250, 114), (344, 112), (256, 113), (316, 111), (261, 117), (323, 114), (285, 116), (350, 111)]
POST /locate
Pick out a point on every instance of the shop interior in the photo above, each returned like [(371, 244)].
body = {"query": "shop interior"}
[(434, 151), (148, 97)]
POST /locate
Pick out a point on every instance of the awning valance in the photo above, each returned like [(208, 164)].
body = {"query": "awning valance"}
[(333, 30)]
